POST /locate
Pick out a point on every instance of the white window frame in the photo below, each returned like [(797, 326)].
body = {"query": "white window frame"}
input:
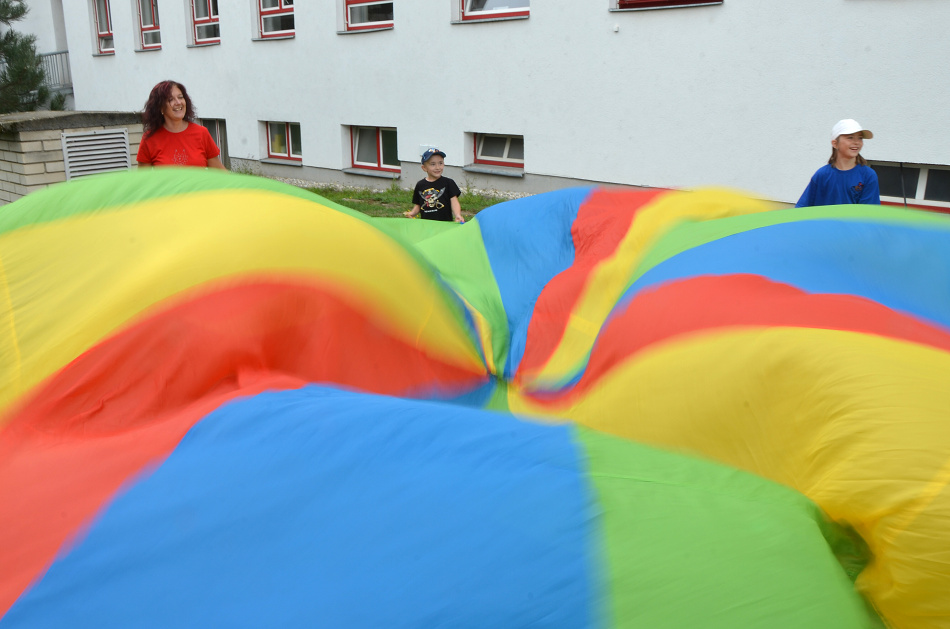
[(919, 200), (147, 29), (349, 5), (103, 35), (361, 133), (283, 9), (647, 5), (204, 22), (468, 15), (480, 158), (290, 155)]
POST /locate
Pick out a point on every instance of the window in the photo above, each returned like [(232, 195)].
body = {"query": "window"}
[(499, 150), (204, 14), (105, 44), (367, 14), (150, 37), (277, 18), (283, 140), (661, 4), (374, 148), (919, 185), (219, 133), (493, 9)]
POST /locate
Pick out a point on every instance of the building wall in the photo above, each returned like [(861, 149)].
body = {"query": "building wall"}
[(45, 20), (741, 94)]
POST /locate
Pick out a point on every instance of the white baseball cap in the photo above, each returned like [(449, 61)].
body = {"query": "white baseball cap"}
[(846, 126)]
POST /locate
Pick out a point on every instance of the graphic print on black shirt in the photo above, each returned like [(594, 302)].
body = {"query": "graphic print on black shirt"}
[(435, 198)]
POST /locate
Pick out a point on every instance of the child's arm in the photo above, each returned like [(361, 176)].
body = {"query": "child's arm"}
[(456, 210), (413, 212)]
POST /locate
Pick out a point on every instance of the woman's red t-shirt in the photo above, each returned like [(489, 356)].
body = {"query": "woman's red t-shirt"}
[(191, 147)]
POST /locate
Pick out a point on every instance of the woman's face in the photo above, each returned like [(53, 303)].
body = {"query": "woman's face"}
[(175, 107)]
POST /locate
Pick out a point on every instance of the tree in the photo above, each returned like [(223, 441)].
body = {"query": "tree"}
[(22, 80)]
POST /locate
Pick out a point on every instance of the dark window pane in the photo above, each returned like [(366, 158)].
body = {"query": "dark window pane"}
[(278, 138), (278, 23), (102, 16), (516, 148), (390, 156), (636, 4), (889, 178), (493, 146), (366, 145), (146, 12), (490, 5), (209, 31), (219, 134), (371, 13), (938, 185), (295, 140)]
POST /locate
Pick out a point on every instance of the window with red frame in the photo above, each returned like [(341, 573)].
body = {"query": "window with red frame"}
[(374, 148), (499, 150), (494, 9), (916, 185), (205, 16), (283, 141), (151, 36), (277, 18), (659, 4), (367, 14), (105, 43)]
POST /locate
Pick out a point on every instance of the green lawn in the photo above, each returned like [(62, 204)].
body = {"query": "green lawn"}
[(392, 202)]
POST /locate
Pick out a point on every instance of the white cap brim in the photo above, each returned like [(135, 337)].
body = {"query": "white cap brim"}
[(848, 126)]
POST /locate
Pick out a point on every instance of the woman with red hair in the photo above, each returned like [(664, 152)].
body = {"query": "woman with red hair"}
[(171, 137)]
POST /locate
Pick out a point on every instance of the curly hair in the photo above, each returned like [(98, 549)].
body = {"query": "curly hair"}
[(152, 118)]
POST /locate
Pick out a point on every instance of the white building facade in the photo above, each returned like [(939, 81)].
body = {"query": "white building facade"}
[(532, 95)]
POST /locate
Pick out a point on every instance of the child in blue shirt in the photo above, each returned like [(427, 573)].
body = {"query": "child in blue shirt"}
[(846, 178)]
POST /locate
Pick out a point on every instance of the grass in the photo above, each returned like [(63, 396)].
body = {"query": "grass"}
[(393, 201)]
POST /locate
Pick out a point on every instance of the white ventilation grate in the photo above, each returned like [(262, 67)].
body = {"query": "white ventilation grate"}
[(95, 152)]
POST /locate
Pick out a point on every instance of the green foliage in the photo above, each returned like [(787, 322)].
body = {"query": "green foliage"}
[(57, 102), (393, 201), (12, 10), (21, 70), (388, 203)]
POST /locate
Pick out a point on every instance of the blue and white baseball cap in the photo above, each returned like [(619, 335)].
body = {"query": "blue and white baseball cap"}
[(428, 154)]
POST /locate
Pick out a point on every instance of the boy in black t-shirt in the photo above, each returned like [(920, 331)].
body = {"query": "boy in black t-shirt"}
[(437, 197)]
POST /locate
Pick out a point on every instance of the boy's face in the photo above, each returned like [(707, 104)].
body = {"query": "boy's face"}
[(434, 167)]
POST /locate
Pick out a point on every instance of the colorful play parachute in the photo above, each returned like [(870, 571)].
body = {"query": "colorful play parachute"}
[(228, 402)]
